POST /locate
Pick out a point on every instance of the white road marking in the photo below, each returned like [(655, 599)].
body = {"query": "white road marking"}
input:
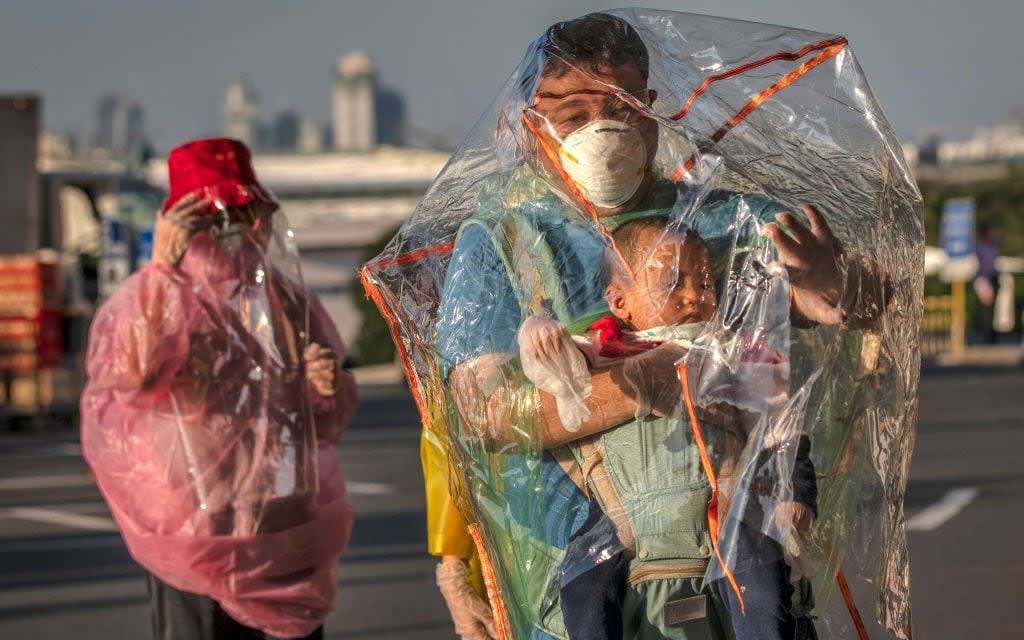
[(81, 543), (61, 518), (23, 483), (70, 449), (369, 488), (26, 483), (938, 514), (380, 434)]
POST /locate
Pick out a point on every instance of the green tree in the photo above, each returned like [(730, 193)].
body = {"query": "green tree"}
[(373, 342), (998, 201)]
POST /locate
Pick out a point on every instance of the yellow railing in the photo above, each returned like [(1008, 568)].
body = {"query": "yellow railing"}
[(937, 326)]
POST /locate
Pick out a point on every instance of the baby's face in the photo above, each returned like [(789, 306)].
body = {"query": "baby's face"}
[(673, 287)]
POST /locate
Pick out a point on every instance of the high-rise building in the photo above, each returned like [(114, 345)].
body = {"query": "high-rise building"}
[(120, 125), (284, 131), (19, 186), (241, 112), (928, 148), (310, 137), (390, 117), (353, 110)]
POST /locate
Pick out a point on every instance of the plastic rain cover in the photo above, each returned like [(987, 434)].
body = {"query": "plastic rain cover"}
[(601, 332), (214, 453)]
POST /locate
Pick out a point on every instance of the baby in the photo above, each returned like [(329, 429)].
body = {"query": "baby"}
[(662, 290)]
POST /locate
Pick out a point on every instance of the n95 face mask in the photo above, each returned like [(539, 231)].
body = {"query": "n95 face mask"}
[(607, 160)]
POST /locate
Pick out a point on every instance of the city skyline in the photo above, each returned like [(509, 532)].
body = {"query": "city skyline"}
[(448, 59)]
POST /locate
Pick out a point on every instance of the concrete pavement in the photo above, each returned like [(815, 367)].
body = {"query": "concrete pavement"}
[(67, 576)]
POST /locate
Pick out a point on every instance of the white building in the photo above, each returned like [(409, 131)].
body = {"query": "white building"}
[(353, 109), (992, 144), (241, 111), (311, 137)]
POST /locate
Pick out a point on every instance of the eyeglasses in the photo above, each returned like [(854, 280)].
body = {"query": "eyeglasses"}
[(567, 112)]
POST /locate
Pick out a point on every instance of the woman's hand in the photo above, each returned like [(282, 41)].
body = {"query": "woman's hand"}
[(175, 227), (321, 369)]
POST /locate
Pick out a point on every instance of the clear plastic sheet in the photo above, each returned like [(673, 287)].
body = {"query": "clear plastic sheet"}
[(213, 451), (750, 414)]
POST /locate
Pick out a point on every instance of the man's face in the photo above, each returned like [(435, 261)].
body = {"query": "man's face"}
[(674, 286), (571, 101)]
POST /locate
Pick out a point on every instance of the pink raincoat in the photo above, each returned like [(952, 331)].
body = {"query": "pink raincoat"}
[(214, 453)]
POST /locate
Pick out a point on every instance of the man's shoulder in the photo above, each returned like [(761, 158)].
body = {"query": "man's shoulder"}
[(731, 198), (498, 218), (516, 192)]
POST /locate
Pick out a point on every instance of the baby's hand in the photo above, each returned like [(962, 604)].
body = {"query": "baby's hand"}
[(794, 517), (542, 337), (799, 514)]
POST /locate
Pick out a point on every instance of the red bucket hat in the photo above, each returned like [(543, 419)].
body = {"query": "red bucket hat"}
[(219, 168)]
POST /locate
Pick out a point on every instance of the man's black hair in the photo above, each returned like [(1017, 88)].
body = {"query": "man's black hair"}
[(596, 40)]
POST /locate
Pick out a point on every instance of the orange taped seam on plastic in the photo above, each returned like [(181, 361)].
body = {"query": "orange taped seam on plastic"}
[(851, 606), (759, 99), (374, 294), (412, 256), (502, 624), (782, 55), (709, 470)]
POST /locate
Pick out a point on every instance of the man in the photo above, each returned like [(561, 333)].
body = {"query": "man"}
[(214, 400), (594, 149)]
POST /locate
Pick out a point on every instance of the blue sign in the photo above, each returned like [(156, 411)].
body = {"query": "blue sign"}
[(958, 228), (144, 247), (115, 262), (113, 237)]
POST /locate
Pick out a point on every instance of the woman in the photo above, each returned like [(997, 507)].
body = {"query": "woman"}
[(214, 401)]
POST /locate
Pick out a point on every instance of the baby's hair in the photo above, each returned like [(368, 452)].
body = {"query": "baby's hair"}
[(629, 240)]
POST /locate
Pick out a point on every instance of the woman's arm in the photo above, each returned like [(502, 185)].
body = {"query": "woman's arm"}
[(334, 410), (140, 336)]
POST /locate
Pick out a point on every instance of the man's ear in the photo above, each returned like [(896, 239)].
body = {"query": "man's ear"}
[(652, 95), (616, 298)]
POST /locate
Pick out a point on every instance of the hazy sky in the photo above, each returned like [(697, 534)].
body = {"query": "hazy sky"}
[(944, 64)]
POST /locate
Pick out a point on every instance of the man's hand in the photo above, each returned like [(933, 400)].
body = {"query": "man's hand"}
[(814, 259), (321, 369), (174, 229), (471, 615)]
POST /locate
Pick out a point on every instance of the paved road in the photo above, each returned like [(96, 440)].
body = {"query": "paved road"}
[(64, 573), (966, 574)]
